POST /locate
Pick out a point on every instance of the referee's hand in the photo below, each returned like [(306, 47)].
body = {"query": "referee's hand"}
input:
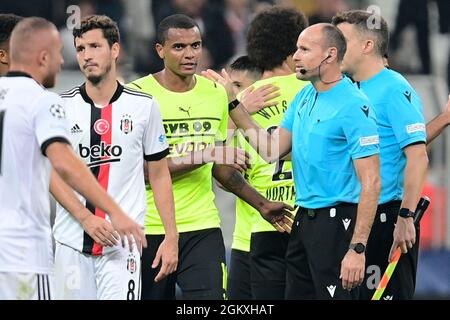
[(404, 236), (352, 269)]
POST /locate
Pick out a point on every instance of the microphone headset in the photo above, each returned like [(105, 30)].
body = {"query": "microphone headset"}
[(305, 71)]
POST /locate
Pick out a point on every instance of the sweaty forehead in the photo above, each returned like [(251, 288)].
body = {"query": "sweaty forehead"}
[(183, 35)]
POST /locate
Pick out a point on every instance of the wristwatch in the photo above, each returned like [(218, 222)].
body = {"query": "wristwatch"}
[(357, 247), (405, 213)]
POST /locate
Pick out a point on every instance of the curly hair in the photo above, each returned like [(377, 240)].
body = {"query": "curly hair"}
[(106, 24), (272, 36), (7, 23)]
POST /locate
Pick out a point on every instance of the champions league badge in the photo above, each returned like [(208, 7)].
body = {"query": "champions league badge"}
[(126, 124), (131, 263)]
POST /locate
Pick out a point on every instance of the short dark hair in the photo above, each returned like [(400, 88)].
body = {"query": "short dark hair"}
[(7, 23), (272, 36), (175, 21), (106, 24), (360, 19), (243, 63), (334, 38)]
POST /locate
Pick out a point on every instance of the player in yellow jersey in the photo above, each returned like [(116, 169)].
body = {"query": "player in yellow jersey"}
[(195, 114), (273, 180), (244, 73)]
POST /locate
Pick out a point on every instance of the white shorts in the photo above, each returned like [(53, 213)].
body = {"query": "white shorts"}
[(113, 276), (25, 286)]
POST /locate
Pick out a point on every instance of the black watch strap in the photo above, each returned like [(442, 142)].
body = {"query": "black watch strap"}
[(405, 213), (233, 104), (357, 247)]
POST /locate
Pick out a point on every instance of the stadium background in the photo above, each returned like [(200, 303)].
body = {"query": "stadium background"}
[(420, 46)]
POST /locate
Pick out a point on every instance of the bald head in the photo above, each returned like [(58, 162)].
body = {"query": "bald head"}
[(35, 48), (328, 36), (29, 37)]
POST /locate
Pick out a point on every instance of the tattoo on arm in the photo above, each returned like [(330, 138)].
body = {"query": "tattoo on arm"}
[(235, 181)]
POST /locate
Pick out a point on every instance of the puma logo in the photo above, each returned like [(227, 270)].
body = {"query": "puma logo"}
[(187, 111)]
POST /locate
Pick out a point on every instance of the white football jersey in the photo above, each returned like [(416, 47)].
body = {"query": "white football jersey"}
[(113, 140), (30, 119)]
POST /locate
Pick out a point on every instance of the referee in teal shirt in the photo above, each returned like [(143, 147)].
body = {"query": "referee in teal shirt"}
[(331, 130), (403, 155)]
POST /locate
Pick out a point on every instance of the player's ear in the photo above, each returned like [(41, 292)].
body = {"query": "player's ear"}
[(43, 58), (4, 57), (160, 50), (369, 46), (115, 50)]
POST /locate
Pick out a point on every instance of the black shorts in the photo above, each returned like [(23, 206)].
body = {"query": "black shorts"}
[(403, 281), (201, 272), (268, 265), (319, 241), (238, 286)]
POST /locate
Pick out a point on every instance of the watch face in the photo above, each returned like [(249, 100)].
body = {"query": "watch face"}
[(359, 248)]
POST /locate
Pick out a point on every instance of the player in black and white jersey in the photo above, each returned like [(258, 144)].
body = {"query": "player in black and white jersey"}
[(34, 138), (115, 130)]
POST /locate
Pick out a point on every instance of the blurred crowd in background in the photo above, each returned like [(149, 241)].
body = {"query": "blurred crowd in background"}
[(224, 24)]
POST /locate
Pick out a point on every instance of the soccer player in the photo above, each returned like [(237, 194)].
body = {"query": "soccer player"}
[(273, 180), (113, 129), (7, 23), (243, 74), (331, 130), (403, 154), (34, 138), (195, 115)]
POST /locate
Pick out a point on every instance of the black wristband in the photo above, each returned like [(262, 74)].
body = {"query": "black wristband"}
[(405, 213), (233, 104)]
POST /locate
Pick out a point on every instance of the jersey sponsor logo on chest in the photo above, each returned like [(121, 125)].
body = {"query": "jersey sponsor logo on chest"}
[(100, 154), (190, 126)]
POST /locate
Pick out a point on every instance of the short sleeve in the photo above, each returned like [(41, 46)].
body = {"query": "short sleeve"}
[(360, 129), (155, 142), (404, 111), (289, 115), (50, 122)]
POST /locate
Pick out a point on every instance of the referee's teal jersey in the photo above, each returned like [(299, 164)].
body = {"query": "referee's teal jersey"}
[(400, 123), (329, 130)]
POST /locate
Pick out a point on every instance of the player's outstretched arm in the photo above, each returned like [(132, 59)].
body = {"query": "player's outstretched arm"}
[(277, 213), (99, 229), (270, 146), (75, 173), (167, 254), (438, 124)]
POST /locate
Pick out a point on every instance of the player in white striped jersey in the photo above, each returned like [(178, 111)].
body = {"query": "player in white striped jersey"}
[(114, 130), (33, 127)]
